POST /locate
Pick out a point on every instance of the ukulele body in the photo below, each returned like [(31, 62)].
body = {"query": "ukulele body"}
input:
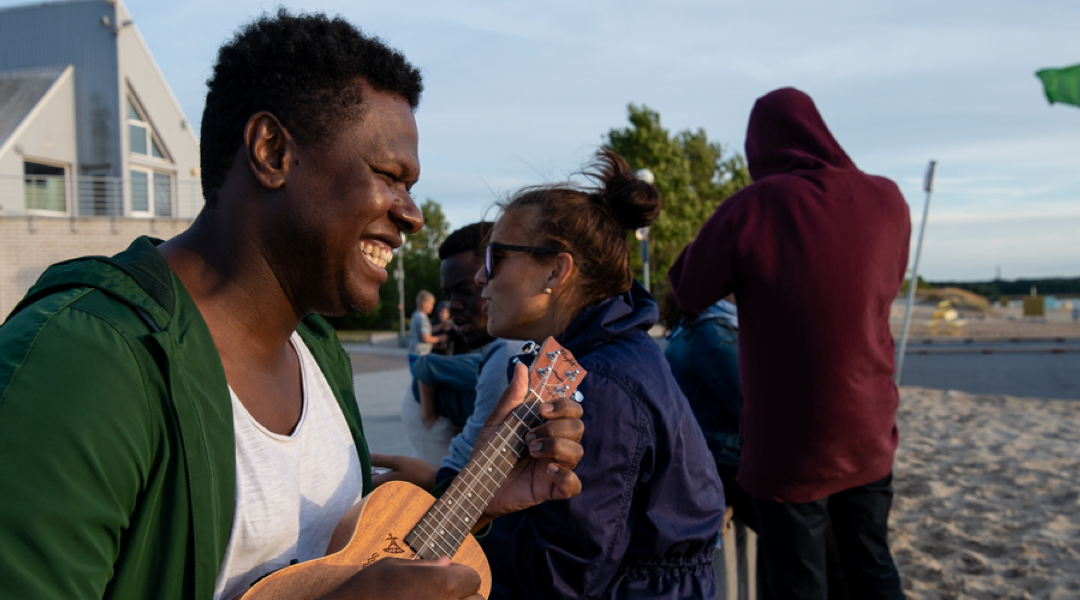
[(373, 529)]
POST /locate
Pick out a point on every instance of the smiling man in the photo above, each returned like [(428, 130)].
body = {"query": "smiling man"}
[(448, 383), (174, 421), (460, 255)]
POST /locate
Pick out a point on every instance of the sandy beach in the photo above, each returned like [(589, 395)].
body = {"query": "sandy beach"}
[(987, 496)]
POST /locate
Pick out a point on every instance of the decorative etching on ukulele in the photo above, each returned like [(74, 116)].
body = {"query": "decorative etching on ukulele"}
[(371, 559), (393, 548)]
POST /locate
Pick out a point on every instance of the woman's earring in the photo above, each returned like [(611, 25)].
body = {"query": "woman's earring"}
[(547, 291)]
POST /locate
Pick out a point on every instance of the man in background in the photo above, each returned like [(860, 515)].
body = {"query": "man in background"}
[(421, 339), (462, 254), (461, 388), (815, 252)]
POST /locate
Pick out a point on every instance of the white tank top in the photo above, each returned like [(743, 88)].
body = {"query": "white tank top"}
[(290, 489)]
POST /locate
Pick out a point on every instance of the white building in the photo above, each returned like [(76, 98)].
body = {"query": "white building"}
[(94, 148)]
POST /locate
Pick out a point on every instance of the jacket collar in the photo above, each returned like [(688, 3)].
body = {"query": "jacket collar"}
[(611, 318)]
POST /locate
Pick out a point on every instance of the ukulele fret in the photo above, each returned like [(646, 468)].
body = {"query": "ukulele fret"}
[(448, 523), (464, 502), (433, 539)]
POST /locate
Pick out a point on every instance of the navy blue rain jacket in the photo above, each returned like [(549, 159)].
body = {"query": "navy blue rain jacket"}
[(646, 521)]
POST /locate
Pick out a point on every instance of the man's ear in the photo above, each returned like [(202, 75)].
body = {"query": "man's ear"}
[(563, 271), (268, 148)]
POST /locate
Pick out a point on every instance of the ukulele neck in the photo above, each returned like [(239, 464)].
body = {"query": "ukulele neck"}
[(445, 527)]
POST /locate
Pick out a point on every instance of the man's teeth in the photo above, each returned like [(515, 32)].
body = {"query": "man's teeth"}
[(376, 254)]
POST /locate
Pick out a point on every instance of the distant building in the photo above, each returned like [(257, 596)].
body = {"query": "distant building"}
[(94, 148)]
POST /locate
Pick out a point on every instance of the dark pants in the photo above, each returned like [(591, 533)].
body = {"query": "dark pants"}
[(793, 538)]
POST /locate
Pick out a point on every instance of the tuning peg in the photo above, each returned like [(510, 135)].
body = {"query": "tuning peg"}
[(530, 347), (577, 396)]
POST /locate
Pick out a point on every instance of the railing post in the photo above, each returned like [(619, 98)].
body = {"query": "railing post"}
[(928, 187), (735, 561)]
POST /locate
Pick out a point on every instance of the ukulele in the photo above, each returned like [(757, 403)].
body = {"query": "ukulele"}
[(401, 520)]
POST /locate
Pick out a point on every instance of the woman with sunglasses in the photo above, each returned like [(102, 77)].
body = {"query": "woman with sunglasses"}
[(646, 521)]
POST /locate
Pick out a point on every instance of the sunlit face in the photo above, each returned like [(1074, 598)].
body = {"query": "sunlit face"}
[(459, 288), (346, 202), (514, 298)]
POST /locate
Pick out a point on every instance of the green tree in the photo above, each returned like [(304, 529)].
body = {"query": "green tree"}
[(428, 239), (922, 284), (421, 255), (693, 175)]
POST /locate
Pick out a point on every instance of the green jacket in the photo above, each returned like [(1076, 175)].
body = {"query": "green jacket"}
[(117, 456)]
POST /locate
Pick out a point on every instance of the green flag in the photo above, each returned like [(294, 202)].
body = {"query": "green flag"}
[(1062, 85)]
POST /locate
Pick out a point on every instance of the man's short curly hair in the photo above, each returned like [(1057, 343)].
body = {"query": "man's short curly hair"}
[(300, 68), (470, 238)]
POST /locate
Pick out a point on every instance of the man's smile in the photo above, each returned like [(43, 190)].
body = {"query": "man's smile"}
[(377, 252)]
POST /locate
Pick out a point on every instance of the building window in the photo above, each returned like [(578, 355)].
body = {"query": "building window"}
[(151, 193), (140, 192), (163, 195), (140, 137), (46, 187)]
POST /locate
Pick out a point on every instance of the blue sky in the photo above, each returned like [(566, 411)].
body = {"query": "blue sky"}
[(519, 93)]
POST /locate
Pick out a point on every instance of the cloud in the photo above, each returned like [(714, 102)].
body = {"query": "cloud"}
[(519, 93)]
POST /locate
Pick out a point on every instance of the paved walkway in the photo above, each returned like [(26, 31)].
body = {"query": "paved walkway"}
[(380, 376), (1025, 374), (1042, 369)]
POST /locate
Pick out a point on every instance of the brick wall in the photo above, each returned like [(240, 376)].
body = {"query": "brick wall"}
[(28, 245)]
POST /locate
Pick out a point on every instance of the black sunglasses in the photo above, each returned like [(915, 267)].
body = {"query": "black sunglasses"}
[(489, 255)]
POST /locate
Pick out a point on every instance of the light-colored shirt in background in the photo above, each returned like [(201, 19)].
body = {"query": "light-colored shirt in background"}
[(419, 326)]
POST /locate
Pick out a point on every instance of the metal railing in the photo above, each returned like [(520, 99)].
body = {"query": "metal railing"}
[(157, 195), (735, 561)]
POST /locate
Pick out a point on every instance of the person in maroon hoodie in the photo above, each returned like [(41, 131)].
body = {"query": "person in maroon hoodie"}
[(815, 251)]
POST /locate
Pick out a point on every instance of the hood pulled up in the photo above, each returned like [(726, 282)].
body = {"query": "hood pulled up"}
[(786, 133)]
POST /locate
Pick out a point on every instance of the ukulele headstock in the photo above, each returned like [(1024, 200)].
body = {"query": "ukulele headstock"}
[(554, 372)]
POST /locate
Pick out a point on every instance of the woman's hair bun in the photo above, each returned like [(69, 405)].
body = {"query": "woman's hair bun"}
[(633, 202)]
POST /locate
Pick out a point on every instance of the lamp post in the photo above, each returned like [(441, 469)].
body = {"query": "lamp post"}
[(399, 275), (928, 187), (642, 234)]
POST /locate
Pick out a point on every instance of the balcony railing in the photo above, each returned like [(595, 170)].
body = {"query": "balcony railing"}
[(149, 195)]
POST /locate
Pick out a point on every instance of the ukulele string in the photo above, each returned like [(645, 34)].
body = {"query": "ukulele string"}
[(488, 453), (434, 539), (433, 531), (438, 529)]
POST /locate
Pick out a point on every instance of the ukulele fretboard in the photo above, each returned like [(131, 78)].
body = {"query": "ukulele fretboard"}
[(444, 528)]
